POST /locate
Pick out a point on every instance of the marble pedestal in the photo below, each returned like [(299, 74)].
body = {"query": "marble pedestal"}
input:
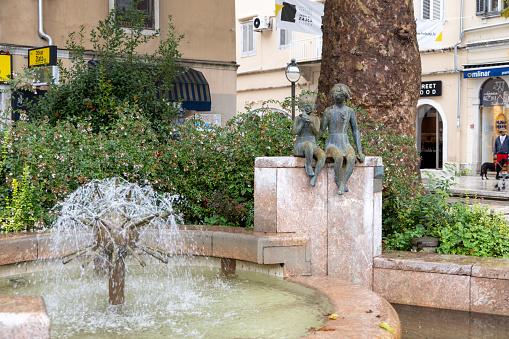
[(344, 231)]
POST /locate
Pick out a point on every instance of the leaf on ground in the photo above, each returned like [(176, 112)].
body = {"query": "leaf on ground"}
[(386, 326), (332, 316), (323, 328)]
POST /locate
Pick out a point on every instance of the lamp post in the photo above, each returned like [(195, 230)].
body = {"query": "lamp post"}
[(292, 73)]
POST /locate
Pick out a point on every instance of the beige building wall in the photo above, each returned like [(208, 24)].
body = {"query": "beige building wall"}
[(468, 40), (208, 44), (261, 77)]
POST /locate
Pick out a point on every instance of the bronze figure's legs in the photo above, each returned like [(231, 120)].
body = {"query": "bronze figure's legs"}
[(336, 155), (350, 164), (308, 153), (320, 162)]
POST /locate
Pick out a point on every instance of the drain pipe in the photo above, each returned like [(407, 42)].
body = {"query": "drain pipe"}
[(41, 31), (462, 33)]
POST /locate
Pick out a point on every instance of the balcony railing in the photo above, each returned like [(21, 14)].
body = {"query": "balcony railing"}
[(307, 49)]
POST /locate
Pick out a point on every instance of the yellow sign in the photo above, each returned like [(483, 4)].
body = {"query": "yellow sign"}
[(501, 122), (42, 56), (5, 67)]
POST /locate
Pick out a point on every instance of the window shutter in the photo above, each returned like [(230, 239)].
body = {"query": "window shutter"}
[(426, 9), (480, 6), (437, 11)]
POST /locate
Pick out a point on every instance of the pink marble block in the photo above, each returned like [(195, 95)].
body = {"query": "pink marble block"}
[(23, 317), (345, 231)]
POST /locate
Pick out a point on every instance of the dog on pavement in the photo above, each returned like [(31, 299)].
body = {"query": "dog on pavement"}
[(490, 166)]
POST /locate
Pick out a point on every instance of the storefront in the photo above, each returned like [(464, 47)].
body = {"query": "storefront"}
[(490, 100), (430, 126)]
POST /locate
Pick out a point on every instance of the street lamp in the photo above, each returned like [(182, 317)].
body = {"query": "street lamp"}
[(292, 73)]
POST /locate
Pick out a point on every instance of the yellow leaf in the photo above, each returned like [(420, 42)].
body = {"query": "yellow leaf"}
[(333, 316), (386, 326)]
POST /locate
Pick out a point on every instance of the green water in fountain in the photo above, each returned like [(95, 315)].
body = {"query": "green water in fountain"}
[(173, 302)]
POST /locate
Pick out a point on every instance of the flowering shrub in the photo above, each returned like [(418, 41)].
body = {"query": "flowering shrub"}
[(212, 168)]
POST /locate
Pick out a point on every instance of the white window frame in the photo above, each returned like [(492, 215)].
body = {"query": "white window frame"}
[(483, 7), (148, 31), (289, 39), (247, 25), (435, 10)]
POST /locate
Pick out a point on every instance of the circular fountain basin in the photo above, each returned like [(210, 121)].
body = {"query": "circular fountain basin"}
[(360, 311), (171, 301)]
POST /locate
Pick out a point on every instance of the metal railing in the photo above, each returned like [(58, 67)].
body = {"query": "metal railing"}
[(307, 49)]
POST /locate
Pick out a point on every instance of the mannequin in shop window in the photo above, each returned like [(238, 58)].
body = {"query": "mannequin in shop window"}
[(502, 147)]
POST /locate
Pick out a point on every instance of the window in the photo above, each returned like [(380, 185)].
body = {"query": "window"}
[(247, 39), (431, 9), (284, 38), (490, 6), (149, 7)]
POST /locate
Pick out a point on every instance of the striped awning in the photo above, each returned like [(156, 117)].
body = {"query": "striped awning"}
[(192, 87)]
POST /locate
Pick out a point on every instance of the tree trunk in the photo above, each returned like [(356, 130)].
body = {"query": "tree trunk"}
[(371, 46)]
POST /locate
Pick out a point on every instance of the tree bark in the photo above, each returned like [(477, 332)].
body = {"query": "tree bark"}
[(371, 46)]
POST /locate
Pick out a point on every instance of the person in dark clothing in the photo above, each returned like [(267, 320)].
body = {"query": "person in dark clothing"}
[(502, 146)]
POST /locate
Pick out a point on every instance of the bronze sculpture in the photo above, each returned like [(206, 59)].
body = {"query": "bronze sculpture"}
[(306, 126), (337, 118)]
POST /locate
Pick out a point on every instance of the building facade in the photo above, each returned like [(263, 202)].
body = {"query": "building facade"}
[(208, 46), (465, 75)]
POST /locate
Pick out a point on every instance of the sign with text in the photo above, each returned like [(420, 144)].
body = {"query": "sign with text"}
[(300, 16), (484, 73), (429, 34), (495, 92), (42, 56), (431, 88), (5, 67)]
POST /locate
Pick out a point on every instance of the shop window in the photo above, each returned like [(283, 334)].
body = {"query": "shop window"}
[(494, 100)]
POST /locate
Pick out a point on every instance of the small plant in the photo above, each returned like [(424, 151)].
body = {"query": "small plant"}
[(19, 213)]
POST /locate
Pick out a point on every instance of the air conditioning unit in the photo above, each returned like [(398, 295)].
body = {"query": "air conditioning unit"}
[(261, 23)]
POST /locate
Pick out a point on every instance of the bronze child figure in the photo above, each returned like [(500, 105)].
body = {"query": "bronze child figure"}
[(337, 118), (306, 126)]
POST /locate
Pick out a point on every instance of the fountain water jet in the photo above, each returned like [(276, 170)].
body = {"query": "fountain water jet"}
[(115, 211)]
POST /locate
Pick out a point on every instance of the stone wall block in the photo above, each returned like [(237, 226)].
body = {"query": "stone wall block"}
[(265, 200), (350, 228), (18, 249), (424, 289), (302, 209), (239, 246), (23, 317), (293, 258), (490, 296)]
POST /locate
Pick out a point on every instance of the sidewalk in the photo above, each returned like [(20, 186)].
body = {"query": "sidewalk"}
[(472, 186)]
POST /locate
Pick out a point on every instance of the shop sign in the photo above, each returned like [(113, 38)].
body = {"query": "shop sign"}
[(484, 73), (431, 88), (42, 56), (5, 67), (495, 93), (501, 122)]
